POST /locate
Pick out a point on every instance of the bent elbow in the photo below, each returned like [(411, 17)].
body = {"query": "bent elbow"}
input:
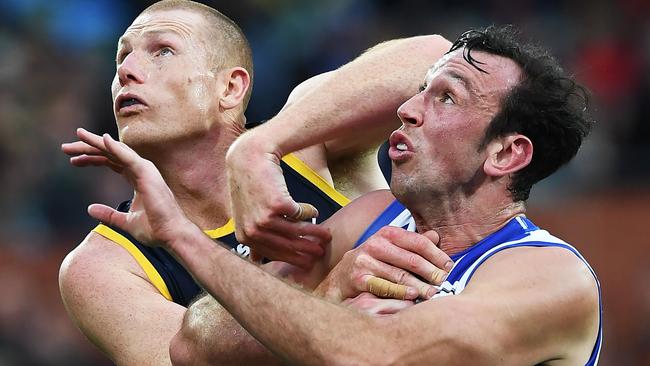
[(180, 350)]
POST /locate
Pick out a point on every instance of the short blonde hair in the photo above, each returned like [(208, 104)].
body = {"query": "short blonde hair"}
[(228, 42)]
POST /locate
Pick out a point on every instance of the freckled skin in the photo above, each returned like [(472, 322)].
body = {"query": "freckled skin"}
[(179, 88)]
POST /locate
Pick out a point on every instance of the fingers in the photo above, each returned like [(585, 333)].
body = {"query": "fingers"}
[(299, 251), (299, 243), (107, 215), (135, 168), (383, 288), (115, 151), (92, 160), (91, 139), (316, 233), (298, 259), (120, 151), (406, 260), (375, 268), (304, 211), (90, 151), (433, 236), (79, 148), (414, 252)]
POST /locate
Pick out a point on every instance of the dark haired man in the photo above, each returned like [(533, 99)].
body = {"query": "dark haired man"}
[(182, 83), (464, 161)]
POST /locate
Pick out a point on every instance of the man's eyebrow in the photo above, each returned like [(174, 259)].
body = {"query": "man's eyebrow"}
[(165, 31), (463, 80), (149, 33)]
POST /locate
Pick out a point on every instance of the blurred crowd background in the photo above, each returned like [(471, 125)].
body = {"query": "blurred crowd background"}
[(57, 62)]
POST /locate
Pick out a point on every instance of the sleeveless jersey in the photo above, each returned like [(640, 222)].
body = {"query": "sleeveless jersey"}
[(518, 232), (173, 281)]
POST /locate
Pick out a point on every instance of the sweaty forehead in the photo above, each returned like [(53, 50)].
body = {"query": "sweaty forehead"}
[(502, 73), (183, 23)]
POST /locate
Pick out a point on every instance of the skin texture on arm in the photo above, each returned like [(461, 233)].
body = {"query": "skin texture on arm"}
[(110, 299), (360, 96), (500, 318), (208, 330), (532, 320), (210, 336)]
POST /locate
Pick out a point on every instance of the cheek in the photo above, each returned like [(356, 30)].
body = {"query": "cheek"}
[(454, 142), (202, 92), (198, 92)]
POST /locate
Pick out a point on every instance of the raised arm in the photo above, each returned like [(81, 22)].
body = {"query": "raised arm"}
[(209, 335), (361, 96), (347, 113), (500, 318)]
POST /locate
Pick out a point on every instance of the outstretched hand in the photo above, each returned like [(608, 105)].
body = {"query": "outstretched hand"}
[(155, 218), (266, 217)]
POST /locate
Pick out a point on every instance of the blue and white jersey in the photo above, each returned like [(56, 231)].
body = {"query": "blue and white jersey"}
[(518, 232), (394, 215)]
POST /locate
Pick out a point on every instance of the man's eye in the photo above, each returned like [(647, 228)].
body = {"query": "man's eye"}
[(446, 99), (121, 56), (165, 52), (422, 87)]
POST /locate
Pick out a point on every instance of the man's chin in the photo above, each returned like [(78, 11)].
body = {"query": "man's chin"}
[(404, 188), (129, 119), (138, 135)]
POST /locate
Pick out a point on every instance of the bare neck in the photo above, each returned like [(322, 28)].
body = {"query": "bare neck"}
[(461, 223), (194, 170)]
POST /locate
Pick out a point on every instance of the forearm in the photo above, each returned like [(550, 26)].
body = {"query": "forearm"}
[(362, 95), (210, 336), (291, 323)]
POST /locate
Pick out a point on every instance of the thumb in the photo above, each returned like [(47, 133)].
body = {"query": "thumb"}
[(304, 211), (107, 215)]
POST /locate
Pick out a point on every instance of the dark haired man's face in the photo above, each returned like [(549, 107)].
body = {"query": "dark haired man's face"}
[(436, 149), (164, 89)]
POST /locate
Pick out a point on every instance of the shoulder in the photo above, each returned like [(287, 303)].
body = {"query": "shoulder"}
[(524, 305), (361, 211), (551, 294), (554, 267), (350, 222), (95, 271), (113, 303), (93, 253)]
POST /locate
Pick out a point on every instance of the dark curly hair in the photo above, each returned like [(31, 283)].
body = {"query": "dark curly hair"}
[(547, 105)]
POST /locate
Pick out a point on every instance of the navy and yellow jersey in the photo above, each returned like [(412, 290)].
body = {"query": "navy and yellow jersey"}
[(173, 281)]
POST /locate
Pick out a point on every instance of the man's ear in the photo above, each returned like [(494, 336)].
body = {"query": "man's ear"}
[(508, 154), (237, 83)]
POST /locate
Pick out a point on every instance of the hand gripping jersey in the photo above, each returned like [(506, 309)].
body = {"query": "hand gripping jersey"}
[(518, 232), (169, 276)]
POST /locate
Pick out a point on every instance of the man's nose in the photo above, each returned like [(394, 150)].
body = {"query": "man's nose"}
[(408, 114), (131, 70)]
